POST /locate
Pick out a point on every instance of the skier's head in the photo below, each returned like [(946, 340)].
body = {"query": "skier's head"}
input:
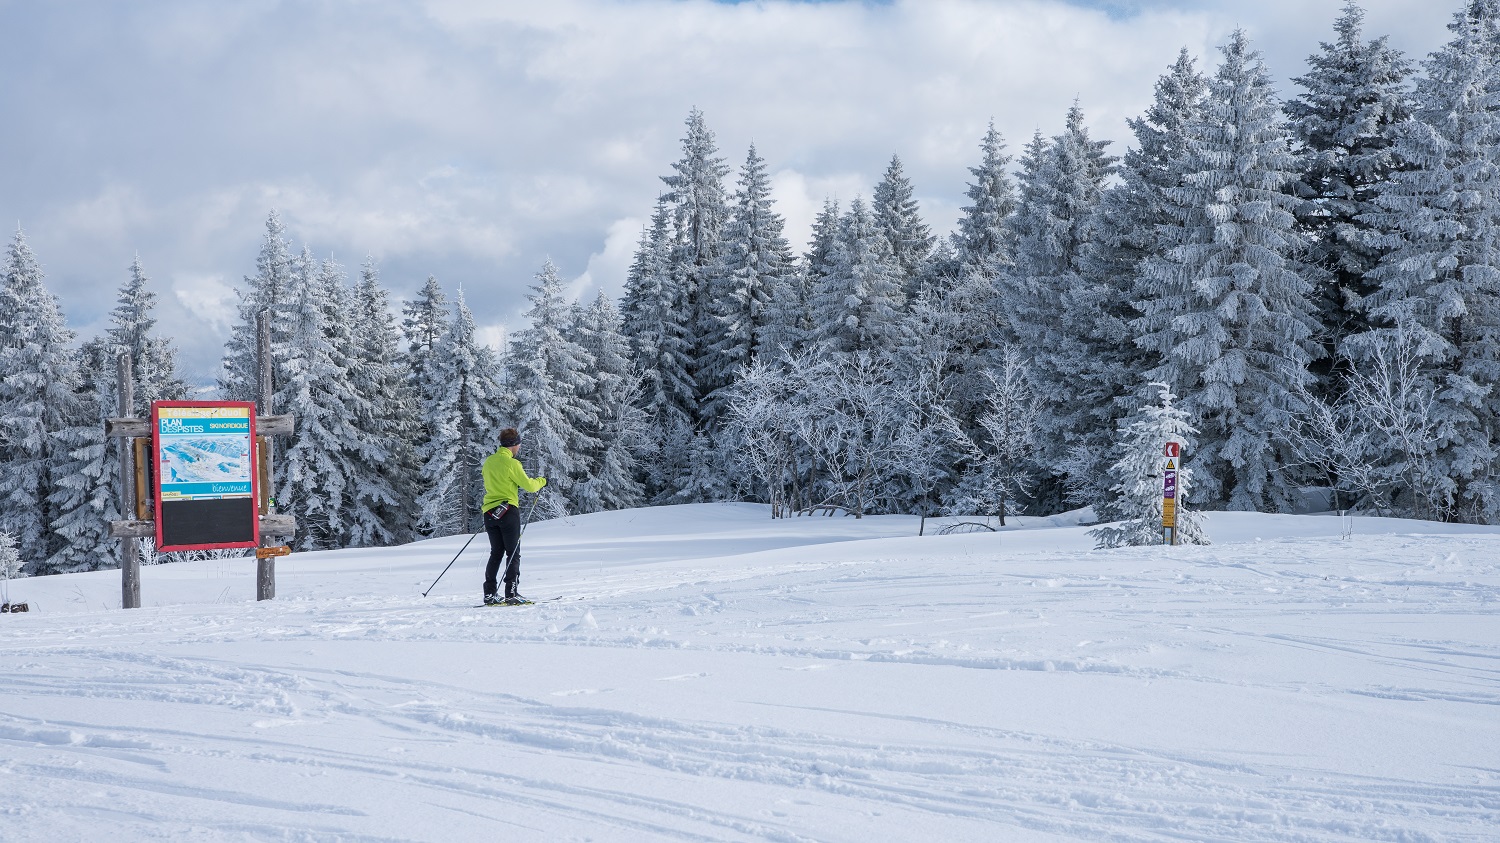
[(510, 438)]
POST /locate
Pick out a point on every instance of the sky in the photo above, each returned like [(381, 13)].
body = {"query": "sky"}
[(473, 141)]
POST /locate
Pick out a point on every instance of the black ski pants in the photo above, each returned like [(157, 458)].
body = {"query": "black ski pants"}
[(503, 525)]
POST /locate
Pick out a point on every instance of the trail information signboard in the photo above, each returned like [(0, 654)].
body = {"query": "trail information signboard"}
[(205, 474)]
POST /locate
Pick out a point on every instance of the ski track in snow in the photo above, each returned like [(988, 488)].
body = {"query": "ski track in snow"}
[(1013, 686)]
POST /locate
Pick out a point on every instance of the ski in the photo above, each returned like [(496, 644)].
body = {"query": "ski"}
[(512, 605)]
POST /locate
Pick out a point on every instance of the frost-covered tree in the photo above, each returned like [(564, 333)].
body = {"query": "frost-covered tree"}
[(1122, 233), (317, 471), (10, 560), (1225, 306), (621, 431), (1354, 95), (269, 289), (983, 242), (549, 374), (85, 472), (1002, 455), (856, 306), (153, 357), (898, 217), (660, 337), (1051, 310), (389, 423), (754, 261), (1138, 487), (699, 208), (463, 421), (1438, 282), (38, 399)]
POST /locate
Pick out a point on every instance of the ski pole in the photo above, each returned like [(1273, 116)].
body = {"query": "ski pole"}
[(450, 564)]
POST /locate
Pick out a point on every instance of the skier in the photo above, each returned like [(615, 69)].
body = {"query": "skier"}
[(503, 479)]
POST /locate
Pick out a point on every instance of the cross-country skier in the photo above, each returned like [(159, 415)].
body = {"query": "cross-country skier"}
[(503, 479)]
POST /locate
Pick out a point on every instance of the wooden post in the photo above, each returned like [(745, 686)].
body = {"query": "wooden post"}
[(265, 568), (130, 556)]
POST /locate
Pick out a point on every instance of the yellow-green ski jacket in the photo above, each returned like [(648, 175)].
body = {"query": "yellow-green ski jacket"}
[(504, 477)]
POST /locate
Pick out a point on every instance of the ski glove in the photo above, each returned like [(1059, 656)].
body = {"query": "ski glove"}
[(544, 484)]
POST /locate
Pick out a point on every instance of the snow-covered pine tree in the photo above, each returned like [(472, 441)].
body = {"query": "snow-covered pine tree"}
[(660, 345), (1052, 311), (983, 243), (86, 475), (1226, 308), (38, 399), (699, 208), (269, 289), (1121, 234), (1137, 472), (1438, 283), (317, 472), (86, 472), (621, 433), (900, 220), (754, 261), (1355, 94), (548, 377), (153, 357), (392, 423), (464, 422), (790, 322), (857, 305)]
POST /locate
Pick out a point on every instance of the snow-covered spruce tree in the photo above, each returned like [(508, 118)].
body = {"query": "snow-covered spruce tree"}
[(386, 480), (754, 261), (900, 220), (38, 399), (1052, 312), (1355, 94), (1138, 477), (549, 374), (270, 289), (86, 472), (621, 433), (660, 341), (316, 468), (463, 420), (983, 243), (1224, 305), (856, 306), (153, 357), (699, 207), (1438, 282), (425, 320), (790, 324), (1122, 233)]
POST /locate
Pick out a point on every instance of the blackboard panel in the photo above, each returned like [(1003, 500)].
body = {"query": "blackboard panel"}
[(226, 521)]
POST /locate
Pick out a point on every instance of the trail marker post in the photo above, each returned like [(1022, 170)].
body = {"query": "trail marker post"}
[(1173, 453)]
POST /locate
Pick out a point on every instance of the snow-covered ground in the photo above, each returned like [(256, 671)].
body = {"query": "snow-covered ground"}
[(712, 674)]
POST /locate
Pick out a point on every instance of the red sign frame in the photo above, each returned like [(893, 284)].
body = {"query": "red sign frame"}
[(209, 525)]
